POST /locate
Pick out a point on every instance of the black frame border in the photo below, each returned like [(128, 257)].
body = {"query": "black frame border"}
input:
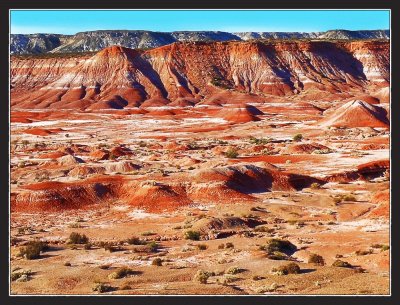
[(6, 5)]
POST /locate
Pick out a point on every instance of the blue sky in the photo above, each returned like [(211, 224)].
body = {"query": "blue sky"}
[(71, 22)]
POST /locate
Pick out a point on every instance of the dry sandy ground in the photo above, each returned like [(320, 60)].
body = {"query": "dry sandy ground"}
[(171, 150)]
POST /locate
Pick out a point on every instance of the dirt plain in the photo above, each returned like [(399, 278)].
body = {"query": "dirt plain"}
[(238, 180)]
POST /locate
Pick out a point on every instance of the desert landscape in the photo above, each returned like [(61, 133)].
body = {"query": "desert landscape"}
[(256, 165)]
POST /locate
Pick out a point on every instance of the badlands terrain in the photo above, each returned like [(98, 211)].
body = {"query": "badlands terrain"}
[(235, 167)]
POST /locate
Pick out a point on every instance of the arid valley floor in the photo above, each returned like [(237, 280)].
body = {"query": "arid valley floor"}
[(208, 191)]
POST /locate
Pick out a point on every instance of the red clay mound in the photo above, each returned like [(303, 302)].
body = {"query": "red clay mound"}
[(374, 168), (366, 98), (160, 112), (366, 171), (120, 151), (184, 102), (154, 196), (240, 114), (383, 95), (20, 120), (249, 179), (99, 154), (42, 132), (52, 155), (115, 102), (155, 102), (382, 198), (85, 171), (305, 148), (357, 114), (51, 196)]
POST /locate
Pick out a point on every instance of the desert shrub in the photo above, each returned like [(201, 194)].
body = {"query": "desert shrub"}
[(135, 241), (342, 264), (148, 233), (232, 153), (102, 287), (349, 198), (263, 229), (385, 247), (279, 245), (76, 238), (277, 255), (291, 268), (33, 249), (221, 246), (67, 264), (315, 185), (202, 276), (233, 270), (18, 275), (316, 260), (229, 245), (259, 141), (298, 137), (202, 247), (121, 273), (87, 246), (153, 246), (192, 235), (111, 247), (363, 252), (157, 262)]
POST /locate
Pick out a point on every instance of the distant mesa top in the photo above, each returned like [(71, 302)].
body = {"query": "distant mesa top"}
[(97, 40)]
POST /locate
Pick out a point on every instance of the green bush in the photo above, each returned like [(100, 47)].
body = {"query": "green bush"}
[(153, 246), (121, 273), (192, 235), (76, 238), (202, 247), (291, 268), (233, 270), (232, 153), (202, 276), (279, 245), (102, 287), (342, 264), (33, 249), (316, 260), (229, 245), (298, 137), (135, 241)]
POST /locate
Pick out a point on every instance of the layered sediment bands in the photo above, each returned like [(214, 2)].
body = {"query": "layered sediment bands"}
[(222, 185), (118, 77)]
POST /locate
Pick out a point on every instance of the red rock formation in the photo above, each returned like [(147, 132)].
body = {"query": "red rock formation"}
[(118, 77), (356, 114)]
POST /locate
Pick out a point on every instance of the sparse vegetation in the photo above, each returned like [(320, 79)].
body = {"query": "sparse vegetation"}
[(77, 238), (102, 287), (202, 276), (298, 137), (157, 262), (121, 273), (233, 270), (33, 249), (291, 268), (232, 153), (316, 260), (202, 247), (135, 241), (278, 245), (342, 264), (192, 235)]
